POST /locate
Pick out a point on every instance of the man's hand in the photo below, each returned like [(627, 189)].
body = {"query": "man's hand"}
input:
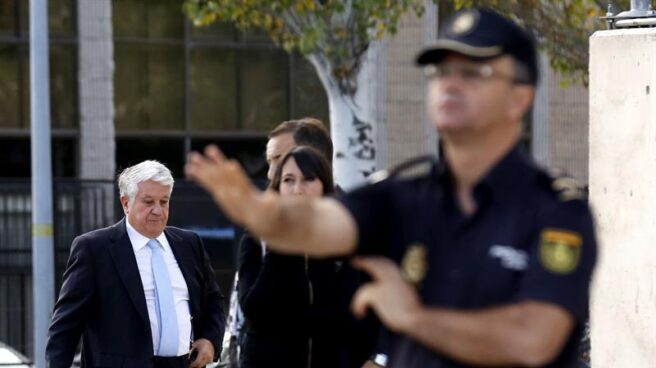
[(225, 180), (205, 353), (388, 294)]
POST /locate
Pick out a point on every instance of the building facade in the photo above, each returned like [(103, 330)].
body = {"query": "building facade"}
[(134, 80)]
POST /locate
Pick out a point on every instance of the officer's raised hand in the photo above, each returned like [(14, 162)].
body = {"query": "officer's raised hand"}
[(289, 225), (227, 182)]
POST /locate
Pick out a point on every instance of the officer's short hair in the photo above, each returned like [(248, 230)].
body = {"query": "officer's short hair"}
[(307, 132)]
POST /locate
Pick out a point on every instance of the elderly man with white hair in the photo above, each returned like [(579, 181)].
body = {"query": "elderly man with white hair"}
[(138, 293)]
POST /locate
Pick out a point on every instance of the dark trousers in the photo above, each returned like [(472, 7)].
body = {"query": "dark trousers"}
[(171, 362)]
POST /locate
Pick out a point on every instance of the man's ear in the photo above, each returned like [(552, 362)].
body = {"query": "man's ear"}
[(125, 204), (522, 99)]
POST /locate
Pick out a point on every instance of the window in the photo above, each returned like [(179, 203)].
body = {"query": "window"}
[(14, 65), (15, 88), (196, 85)]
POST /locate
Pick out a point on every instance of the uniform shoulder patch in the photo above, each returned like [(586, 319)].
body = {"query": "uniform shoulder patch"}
[(560, 250), (417, 166), (567, 188), (378, 176)]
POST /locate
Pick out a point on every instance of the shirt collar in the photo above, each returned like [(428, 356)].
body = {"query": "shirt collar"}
[(139, 241), (499, 182)]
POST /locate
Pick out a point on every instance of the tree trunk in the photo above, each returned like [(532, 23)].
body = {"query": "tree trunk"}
[(354, 117)]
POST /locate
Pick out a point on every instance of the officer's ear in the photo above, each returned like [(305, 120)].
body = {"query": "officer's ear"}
[(521, 101)]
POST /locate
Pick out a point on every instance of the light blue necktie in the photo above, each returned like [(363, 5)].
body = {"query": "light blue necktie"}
[(166, 315)]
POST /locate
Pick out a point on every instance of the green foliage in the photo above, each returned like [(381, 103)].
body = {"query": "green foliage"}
[(340, 31), (562, 28)]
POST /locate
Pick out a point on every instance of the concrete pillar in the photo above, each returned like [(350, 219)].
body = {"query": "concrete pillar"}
[(623, 194), (96, 96), (96, 73)]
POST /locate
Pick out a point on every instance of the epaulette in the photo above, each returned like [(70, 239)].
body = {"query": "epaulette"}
[(406, 168), (567, 188)]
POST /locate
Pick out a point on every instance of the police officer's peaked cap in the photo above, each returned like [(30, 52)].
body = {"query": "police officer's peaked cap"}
[(482, 34)]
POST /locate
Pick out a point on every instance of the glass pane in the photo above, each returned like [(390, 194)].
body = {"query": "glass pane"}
[(8, 17), (10, 87), (263, 78), (308, 95), (64, 157), (216, 31), (248, 151), (63, 86), (148, 18), (149, 86), (255, 35), (213, 89), (15, 153), (170, 152), (62, 17)]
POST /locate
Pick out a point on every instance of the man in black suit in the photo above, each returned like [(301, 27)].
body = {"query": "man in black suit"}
[(138, 293)]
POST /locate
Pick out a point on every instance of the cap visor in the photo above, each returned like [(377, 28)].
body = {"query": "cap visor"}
[(439, 49)]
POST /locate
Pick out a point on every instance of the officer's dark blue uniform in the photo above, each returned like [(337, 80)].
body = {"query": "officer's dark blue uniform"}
[(531, 238)]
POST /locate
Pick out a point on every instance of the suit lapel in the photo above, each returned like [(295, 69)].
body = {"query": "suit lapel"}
[(184, 256), (126, 266)]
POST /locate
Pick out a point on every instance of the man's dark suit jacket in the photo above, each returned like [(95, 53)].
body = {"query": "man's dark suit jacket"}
[(102, 300)]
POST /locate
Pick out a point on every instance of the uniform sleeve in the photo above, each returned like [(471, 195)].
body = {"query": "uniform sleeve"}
[(73, 307), (372, 209), (562, 259)]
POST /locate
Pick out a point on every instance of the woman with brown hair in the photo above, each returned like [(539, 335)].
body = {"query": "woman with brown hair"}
[(290, 303)]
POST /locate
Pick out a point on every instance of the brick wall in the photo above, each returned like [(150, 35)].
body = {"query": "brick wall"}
[(568, 128), (407, 130)]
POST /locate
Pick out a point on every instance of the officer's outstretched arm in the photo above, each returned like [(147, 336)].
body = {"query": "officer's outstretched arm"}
[(320, 227), (530, 334)]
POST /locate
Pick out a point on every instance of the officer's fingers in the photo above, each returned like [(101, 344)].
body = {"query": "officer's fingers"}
[(213, 153), (362, 299), (194, 159), (377, 267), (195, 162), (234, 176)]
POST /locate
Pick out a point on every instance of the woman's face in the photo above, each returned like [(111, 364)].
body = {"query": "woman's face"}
[(292, 182)]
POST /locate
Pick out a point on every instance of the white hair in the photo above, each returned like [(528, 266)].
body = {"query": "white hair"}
[(130, 178)]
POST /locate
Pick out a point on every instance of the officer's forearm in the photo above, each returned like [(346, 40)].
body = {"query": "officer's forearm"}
[(527, 334), (320, 227)]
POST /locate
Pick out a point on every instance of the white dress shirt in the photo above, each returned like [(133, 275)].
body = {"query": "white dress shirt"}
[(180, 290)]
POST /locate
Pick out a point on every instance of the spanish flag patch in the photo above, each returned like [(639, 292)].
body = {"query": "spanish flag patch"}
[(560, 250)]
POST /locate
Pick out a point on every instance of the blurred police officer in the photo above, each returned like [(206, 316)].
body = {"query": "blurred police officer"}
[(484, 261)]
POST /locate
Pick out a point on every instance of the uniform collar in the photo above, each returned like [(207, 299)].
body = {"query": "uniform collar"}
[(499, 183), (502, 180)]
